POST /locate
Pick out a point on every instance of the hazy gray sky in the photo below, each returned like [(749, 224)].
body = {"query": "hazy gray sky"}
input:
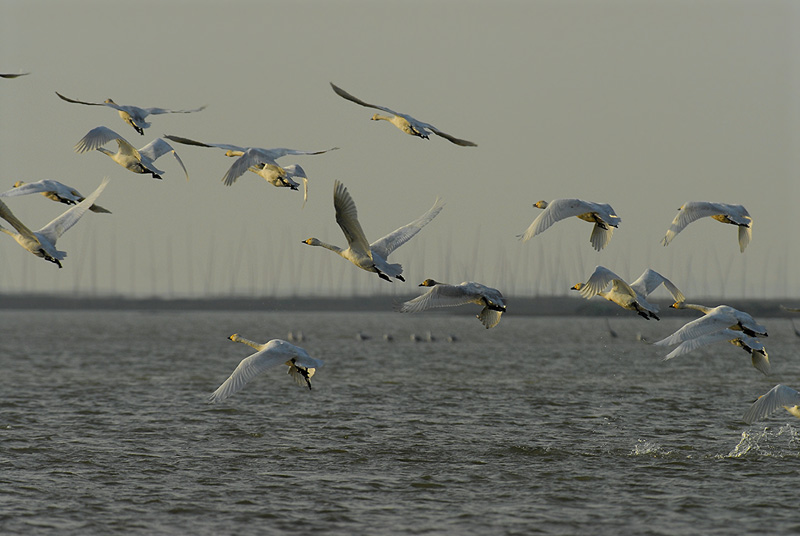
[(641, 104)]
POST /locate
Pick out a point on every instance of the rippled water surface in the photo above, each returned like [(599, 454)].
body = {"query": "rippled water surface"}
[(538, 426)]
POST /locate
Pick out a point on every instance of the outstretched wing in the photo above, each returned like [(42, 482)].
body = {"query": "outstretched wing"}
[(74, 101), (347, 218), (157, 148), (777, 397), (650, 280), (386, 245), (53, 230), (344, 94)]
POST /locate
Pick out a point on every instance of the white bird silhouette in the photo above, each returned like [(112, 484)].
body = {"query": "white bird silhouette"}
[(602, 215), (54, 190), (133, 115), (779, 396), (371, 257), (138, 161), (260, 161), (269, 354), (632, 297), (694, 210), (404, 122), (42, 243), (714, 319), (752, 346), (444, 295)]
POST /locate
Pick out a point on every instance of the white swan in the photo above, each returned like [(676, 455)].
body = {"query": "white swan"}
[(752, 346), (260, 161), (779, 396), (694, 210), (404, 122), (632, 297), (133, 115), (714, 319), (601, 214), (443, 295), (301, 365), (42, 243), (371, 257), (54, 190), (138, 161)]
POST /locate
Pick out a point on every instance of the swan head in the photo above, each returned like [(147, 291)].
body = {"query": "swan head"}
[(429, 283), (677, 305), (18, 184), (234, 337), (540, 204), (375, 117), (577, 286), (311, 241), (109, 101)]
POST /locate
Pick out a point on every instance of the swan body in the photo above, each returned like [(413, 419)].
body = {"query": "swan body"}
[(371, 257), (779, 396), (42, 243), (138, 161), (714, 319), (53, 190), (132, 115), (272, 353), (628, 296), (601, 215), (404, 122), (754, 347), (260, 161), (443, 295), (722, 212)]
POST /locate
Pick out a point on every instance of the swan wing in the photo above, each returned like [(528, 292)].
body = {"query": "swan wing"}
[(440, 296), (344, 94), (777, 397), (53, 230), (601, 236), (158, 111), (557, 210), (20, 227), (704, 340), (274, 353), (157, 148), (274, 154), (745, 234), (75, 101), (187, 141), (448, 137), (99, 136), (386, 245), (650, 280), (689, 212), (704, 325), (600, 279), (347, 218), (44, 185)]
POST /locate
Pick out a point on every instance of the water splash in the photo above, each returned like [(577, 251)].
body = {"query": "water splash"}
[(784, 441), (646, 447)]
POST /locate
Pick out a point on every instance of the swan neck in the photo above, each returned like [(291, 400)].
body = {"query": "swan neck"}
[(248, 342)]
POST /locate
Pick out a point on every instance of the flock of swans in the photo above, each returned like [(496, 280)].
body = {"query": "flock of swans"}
[(718, 324)]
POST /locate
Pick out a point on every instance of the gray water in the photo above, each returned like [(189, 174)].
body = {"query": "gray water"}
[(538, 426)]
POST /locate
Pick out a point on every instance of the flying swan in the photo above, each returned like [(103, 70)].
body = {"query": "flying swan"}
[(404, 122), (632, 297), (754, 347), (694, 210), (601, 214), (371, 257), (53, 190), (443, 295), (42, 243), (272, 353), (260, 161), (138, 161), (133, 115), (779, 396)]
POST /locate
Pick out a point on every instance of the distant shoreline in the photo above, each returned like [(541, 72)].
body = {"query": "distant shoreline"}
[(524, 306)]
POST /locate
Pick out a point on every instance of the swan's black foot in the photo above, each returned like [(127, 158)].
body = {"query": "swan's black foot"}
[(401, 278), (156, 176), (139, 130), (384, 277)]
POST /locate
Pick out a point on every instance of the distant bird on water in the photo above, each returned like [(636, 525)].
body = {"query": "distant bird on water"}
[(371, 257), (42, 243), (272, 353), (601, 215), (779, 396), (133, 115), (404, 122), (262, 162), (632, 297), (443, 295), (138, 161), (694, 210), (53, 190)]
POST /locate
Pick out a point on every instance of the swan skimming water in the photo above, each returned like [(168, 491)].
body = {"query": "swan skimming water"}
[(779, 396)]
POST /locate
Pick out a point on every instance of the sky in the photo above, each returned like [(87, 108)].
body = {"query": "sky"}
[(640, 104)]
